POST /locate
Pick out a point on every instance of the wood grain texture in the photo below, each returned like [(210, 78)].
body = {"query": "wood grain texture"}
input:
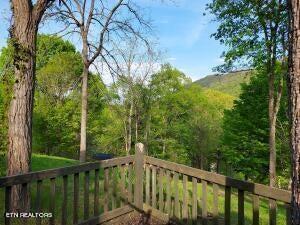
[(147, 185), (255, 206), (161, 190), (185, 198), (52, 201), (38, 200), (47, 174), (204, 202), (227, 209), (215, 203), (76, 198), (153, 199), (241, 210), (96, 193), (64, 206), (194, 199), (139, 175), (258, 189), (86, 199)]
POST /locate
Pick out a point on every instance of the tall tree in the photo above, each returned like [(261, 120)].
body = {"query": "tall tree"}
[(136, 64), (256, 34), (294, 94), (245, 133), (98, 23), (26, 19)]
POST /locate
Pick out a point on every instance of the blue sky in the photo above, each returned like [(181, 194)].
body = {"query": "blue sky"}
[(183, 34)]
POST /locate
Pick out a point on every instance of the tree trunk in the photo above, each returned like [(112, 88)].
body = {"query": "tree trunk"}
[(294, 100), (84, 109), (218, 161), (129, 129), (125, 137), (272, 149), (136, 125), (26, 18), (274, 105)]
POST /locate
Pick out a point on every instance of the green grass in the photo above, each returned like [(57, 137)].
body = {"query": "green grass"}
[(227, 83), (40, 162)]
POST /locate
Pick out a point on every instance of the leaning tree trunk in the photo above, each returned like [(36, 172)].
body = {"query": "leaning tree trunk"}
[(26, 18), (294, 92)]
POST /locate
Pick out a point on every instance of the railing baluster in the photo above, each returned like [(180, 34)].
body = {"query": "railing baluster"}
[(154, 187), (161, 189), (7, 203), (106, 189), (122, 185), (227, 205), (241, 199), (25, 192), (215, 203), (288, 214), (147, 184), (194, 200), (255, 205), (96, 193), (65, 201), (130, 178), (272, 212), (86, 195), (168, 189), (38, 200), (204, 202), (113, 187), (139, 175), (184, 198), (176, 189), (52, 201), (75, 198)]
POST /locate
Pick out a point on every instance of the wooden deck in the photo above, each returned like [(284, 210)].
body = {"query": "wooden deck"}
[(107, 192)]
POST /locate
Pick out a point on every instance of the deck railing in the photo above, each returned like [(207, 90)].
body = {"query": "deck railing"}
[(117, 179), (161, 174), (101, 191)]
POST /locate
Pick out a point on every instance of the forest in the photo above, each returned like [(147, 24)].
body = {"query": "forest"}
[(175, 118), (240, 121)]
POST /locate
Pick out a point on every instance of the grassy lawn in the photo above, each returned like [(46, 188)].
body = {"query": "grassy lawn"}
[(42, 162)]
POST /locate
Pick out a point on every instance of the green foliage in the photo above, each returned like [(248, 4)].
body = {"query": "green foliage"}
[(59, 76), (49, 46), (229, 83), (6, 83), (250, 29), (246, 127), (185, 119)]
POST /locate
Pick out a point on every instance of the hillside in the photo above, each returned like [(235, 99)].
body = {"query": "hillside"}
[(228, 83)]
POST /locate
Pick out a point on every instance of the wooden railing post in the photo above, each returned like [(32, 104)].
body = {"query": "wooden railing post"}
[(139, 175)]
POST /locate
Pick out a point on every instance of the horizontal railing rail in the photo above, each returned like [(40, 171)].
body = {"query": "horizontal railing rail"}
[(168, 186), (52, 173), (117, 180), (254, 188), (102, 190)]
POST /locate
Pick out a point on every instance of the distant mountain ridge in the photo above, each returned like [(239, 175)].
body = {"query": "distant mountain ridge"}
[(229, 83)]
